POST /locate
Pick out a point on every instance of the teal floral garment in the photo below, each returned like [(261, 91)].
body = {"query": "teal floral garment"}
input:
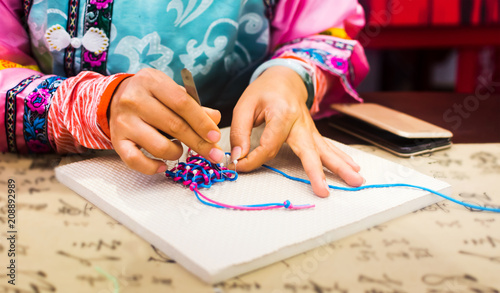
[(220, 41)]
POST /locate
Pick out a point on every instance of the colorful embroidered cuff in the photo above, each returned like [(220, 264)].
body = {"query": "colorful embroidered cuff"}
[(328, 53), (36, 109), (102, 108), (296, 66)]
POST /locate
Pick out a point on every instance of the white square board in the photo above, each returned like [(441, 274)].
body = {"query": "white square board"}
[(216, 244)]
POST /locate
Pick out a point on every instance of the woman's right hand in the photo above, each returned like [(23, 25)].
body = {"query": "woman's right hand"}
[(150, 101)]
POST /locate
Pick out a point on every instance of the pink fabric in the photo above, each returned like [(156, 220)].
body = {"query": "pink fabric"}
[(295, 19), (14, 41), (72, 122), (301, 18), (9, 78)]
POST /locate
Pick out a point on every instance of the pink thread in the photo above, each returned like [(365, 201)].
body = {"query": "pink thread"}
[(199, 172)]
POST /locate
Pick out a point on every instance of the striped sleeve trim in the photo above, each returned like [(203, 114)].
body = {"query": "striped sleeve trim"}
[(102, 108), (73, 117), (11, 100)]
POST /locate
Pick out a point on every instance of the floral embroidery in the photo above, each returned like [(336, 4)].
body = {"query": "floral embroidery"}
[(339, 63), (37, 100), (93, 59), (36, 108), (10, 111), (335, 64), (97, 18), (101, 4), (335, 59), (37, 146), (325, 59)]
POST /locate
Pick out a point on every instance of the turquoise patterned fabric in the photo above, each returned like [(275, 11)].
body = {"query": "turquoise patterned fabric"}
[(220, 41)]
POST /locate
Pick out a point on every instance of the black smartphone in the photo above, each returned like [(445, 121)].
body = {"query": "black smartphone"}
[(397, 144)]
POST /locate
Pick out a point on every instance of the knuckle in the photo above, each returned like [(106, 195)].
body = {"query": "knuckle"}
[(134, 161), (146, 73), (177, 126), (201, 146), (129, 101), (236, 132), (120, 123), (179, 103), (161, 149), (271, 153), (289, 112), (147, 76), (335, 168)]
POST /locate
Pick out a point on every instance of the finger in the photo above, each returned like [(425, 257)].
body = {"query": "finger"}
[(335, 163), (177, 127), (156, 144), (136, 160), (241, 130), (274, 135), (186, 107), (342, 155), (302, 144)]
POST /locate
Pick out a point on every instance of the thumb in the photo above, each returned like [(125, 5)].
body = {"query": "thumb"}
[(241, 129)]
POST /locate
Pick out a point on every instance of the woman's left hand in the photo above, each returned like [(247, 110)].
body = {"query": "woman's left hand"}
[(278, 98)]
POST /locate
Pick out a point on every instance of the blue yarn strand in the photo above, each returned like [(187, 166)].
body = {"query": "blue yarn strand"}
[(496, 210)]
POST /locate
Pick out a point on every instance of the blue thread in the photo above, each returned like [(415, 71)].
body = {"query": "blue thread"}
[(190, 174), (496, 210), (287, 204), (199, 172)]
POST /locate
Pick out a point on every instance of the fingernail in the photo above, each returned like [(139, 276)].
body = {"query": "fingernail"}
[(326, 186), (235, 153), (162, 169), (216, 155), (213, 136)]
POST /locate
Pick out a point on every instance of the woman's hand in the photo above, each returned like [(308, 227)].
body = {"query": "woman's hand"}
[(151, 101), (278, 98)]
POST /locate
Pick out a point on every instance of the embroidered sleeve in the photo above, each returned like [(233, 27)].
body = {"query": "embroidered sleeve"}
[(44, 113), (47, 113), (335, 69), (15, 85), (319, 34)]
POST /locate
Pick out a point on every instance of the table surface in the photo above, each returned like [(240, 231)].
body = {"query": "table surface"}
[(65, 244)]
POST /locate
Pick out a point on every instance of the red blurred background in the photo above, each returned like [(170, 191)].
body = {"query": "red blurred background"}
[(431, 45)]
